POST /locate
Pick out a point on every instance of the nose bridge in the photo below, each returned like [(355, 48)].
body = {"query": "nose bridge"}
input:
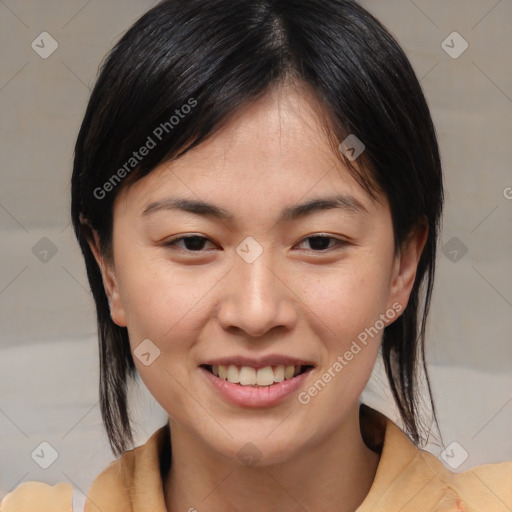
[(256, 299)]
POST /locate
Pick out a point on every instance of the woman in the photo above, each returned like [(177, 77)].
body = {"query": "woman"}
[(257, 192)]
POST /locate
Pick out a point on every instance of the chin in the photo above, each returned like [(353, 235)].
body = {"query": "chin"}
[(262, 449)]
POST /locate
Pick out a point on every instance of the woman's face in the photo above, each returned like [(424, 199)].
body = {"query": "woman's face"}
[(258, 289)]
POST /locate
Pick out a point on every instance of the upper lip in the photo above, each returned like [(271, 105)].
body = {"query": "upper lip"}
[(260, 362)]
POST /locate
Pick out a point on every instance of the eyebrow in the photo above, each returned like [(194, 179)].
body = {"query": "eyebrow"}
[(344, 202)]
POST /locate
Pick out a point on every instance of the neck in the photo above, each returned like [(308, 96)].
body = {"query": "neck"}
[(333, 475)]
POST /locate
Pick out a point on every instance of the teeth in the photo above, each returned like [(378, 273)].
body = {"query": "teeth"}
[(279, 373), (247, 376), (265, 376), (223, 374), (233, 374)]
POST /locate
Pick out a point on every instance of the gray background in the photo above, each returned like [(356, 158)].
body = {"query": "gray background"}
[(48, 354)]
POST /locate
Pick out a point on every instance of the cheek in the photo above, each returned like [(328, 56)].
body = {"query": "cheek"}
[(163, 305), (347, 306), (349, 299), (159, 298)]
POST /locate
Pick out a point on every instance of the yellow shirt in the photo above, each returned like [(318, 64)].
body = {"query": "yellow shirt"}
[(408, 479)]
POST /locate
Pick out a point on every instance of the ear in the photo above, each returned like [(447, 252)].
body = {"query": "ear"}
[(406, 265), (110, 282)]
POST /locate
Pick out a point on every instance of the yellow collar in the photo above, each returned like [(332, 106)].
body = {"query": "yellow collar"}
[(407, 479)]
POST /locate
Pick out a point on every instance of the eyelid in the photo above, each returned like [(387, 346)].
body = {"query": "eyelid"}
[(172, 241), (339, 242)]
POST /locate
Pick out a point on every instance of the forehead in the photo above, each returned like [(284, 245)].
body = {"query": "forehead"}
[(274, 150)]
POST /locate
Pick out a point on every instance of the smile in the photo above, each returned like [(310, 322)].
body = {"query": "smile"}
[(249, 376), (246, 382)]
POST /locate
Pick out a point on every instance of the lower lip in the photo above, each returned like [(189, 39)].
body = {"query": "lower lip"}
[(255, 396)]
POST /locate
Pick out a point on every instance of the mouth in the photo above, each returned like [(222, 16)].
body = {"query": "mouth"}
[(257, 375)]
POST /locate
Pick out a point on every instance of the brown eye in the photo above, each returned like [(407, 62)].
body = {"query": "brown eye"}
[(322, 242), (192, 243)]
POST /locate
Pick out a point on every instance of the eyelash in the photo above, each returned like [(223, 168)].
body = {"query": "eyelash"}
[(173, 242)]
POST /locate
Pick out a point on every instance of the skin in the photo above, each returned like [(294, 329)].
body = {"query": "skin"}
[(294, 299)]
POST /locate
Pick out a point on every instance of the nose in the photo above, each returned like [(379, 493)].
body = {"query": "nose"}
[(256, 298)]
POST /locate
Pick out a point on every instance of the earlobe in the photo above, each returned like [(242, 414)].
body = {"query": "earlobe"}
[(406, 265), (110, 282)]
